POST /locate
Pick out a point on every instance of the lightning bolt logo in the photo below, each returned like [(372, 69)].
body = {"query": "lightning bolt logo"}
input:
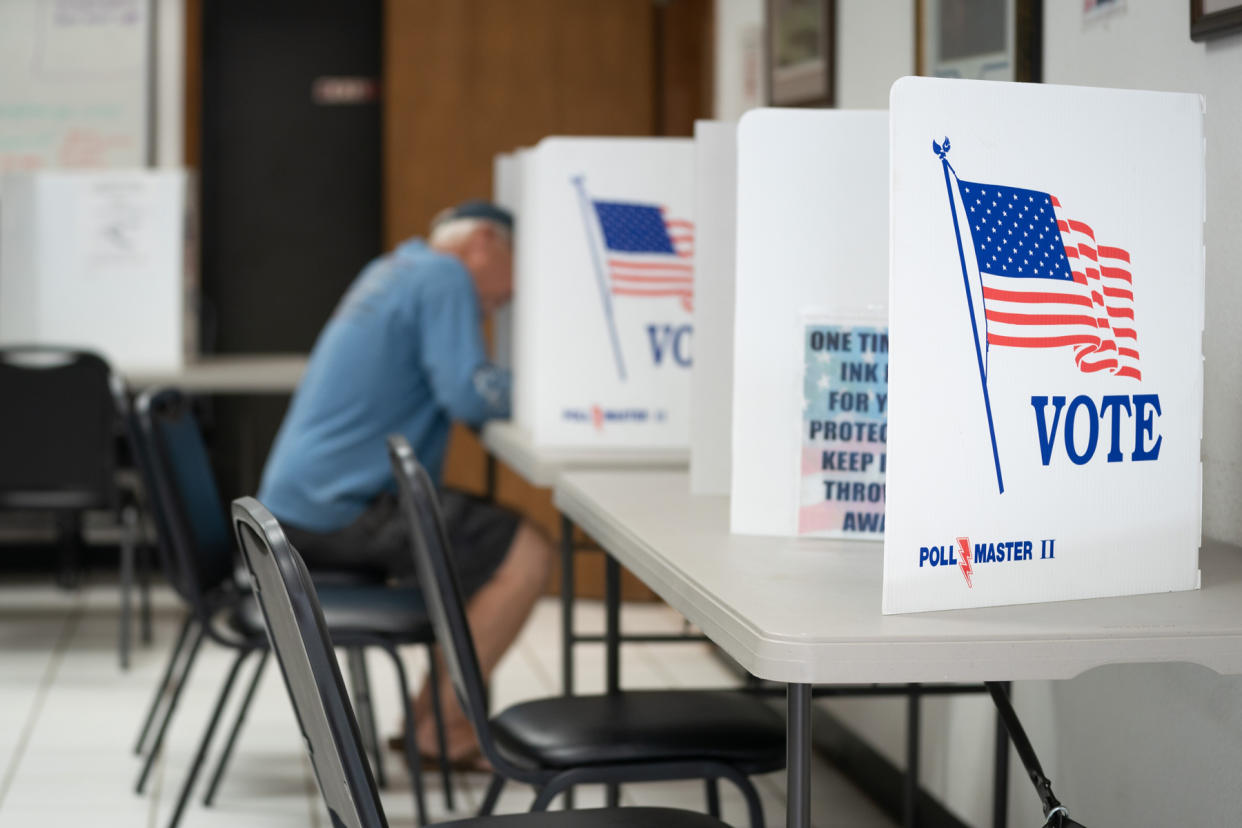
[(963, 545)]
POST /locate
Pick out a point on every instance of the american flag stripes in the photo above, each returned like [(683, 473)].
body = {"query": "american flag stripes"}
[(646, 253), (1047, 282)]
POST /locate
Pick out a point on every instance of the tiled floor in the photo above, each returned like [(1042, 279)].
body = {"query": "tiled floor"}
[(69, 715)]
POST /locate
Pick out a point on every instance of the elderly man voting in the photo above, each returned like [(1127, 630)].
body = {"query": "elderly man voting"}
[(403, 353)]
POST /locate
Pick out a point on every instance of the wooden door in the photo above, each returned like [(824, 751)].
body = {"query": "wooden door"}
[(467, 79)]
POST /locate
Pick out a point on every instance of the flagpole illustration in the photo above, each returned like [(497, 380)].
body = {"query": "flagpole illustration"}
[(941, 152), (600, 277)]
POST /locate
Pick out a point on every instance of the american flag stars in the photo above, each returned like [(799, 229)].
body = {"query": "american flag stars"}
[(1011, 228)]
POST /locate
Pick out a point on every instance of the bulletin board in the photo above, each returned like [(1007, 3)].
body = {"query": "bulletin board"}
[(74, 88)]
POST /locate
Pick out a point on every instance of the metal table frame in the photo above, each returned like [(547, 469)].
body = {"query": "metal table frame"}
[(543, 469), (798, 698), (800, 612)]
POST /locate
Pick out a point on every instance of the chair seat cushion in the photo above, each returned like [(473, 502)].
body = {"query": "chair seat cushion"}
[(392, 612), (644, 726), (594, 818)]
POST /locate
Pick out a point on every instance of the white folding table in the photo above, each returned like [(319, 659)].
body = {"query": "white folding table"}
[(805, 611), (512, 444), (228, 374)]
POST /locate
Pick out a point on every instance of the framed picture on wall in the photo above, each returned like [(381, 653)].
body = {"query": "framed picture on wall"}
[(979, 39), (801, 52), (1214, 18)]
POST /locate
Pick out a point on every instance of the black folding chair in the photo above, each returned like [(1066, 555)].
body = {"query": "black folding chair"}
[(59, 428), (554, 744), (299, 636), (199, 563)]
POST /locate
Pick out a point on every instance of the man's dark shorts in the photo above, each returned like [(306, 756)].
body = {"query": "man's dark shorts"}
[(378, 542)]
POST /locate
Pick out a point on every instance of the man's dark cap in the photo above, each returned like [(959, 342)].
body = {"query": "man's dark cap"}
[(480, 209)]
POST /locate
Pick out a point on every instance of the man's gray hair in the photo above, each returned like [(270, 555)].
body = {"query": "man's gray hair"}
[(448, 230)]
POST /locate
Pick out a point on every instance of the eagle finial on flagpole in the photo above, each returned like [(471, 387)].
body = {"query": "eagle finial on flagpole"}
[(941, 151)]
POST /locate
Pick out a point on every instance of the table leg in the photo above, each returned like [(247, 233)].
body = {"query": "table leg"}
[(913, 707), (798, 747), (1000, 773), (612, 647), (567, 606), (567, 621), (612, 624)]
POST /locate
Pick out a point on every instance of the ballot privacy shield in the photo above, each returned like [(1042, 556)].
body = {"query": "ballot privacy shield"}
[(1046, 384), (605, 290), (812, 231)]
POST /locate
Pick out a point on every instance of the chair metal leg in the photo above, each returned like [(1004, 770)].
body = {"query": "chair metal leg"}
[(69, 529), (713, 796), (205, 742), (227, 753), (364, 710), (411, 741), (544, 797), (754, 808), (437, 712), (144, 591), (164, 684), (493, 793), (168, 714), (129, 523)]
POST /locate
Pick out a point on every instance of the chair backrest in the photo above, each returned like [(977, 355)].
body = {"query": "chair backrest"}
[(140, 454), (58, 428), (441, 590), (299, 637), (199, 542)]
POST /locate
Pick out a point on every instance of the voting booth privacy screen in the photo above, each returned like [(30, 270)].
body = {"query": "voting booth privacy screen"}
[(1046, 343), (812, 231), (604, 292), (506, 190), (715, 219), (101, 260)]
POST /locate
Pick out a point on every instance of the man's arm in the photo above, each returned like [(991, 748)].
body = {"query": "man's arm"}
[(465, 384)]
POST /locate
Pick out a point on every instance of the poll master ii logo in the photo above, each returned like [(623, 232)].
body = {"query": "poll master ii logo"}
[(1045, 282), (638, 251), (966, 556)]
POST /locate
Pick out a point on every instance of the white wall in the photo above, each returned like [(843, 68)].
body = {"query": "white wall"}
[(170, 83), (875, 46), (739, 57), (1141, 745)]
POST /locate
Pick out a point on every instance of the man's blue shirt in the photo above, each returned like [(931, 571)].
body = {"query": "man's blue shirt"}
[(403, 353)]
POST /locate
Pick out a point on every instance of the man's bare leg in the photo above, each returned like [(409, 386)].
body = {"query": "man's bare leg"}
[(495, 614)]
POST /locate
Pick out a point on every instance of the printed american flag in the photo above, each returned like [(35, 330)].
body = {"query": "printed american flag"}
[(647, 253), (1046, 281)]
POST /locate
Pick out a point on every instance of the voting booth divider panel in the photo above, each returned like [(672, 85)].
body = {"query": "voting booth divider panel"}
[(812, 228), (711, 399), (1046, 343), (604, 292)]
